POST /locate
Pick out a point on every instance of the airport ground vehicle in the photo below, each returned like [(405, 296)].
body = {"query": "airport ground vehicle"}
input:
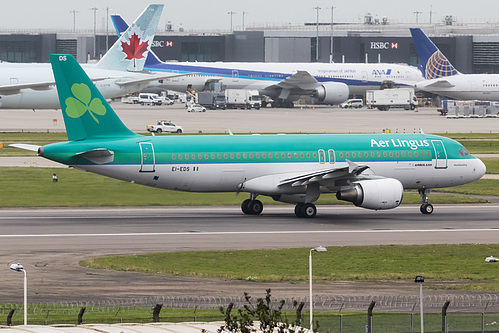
[(243, 98), (164, 126), (212, 100), (352, 103), (166, 101), (130, 99), (149, 99), (196, 108), (391, 98)]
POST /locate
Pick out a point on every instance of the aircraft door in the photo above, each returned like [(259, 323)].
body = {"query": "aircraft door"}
[(147, 158), (332, 156), (175, 72), (235, 76), (322, 156), (365, 78), (440, 154)]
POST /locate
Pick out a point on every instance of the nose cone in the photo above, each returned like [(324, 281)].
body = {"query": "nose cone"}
[(479, 169)]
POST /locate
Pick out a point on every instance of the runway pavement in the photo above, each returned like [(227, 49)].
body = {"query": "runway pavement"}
[(319, 119), (50, 242)]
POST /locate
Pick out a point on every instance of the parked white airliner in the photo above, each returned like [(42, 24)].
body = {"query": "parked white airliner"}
[(443, 79), (331, 83), (119, 72)]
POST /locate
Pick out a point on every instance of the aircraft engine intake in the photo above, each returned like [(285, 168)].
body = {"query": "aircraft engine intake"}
[(374, 194), (332, 92)]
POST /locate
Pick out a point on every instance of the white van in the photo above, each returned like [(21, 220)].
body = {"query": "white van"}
[(352, 103), (149, 99)]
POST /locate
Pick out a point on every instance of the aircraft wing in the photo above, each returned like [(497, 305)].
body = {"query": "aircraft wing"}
[(151, 78), (300, 83), (12, 89), (300, 80), (331, 178), (324, 177)]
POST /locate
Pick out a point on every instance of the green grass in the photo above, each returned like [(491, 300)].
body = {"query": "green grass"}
[(460, 263), (84, 189), (492, 164), (481, 147), (480, 187), (470, 136)]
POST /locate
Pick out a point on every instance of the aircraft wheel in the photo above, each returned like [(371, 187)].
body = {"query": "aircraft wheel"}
[(426, 208), (298, 208), (255, 207), (308, 210), (244, 206)]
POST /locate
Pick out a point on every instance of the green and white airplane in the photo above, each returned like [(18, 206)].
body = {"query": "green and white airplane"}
[(370, 170)]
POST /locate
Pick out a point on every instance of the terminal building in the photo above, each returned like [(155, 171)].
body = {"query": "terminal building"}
[(472, 48)]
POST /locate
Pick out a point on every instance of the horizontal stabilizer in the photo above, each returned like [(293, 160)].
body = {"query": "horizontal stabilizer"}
[(25, 146), (440, 84), (98, 156)]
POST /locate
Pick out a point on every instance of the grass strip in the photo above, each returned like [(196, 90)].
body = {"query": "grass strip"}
[(33, 187), (460, 263)]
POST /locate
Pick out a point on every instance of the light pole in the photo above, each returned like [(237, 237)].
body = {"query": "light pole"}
[(95, 31), (332, 25), (315, 249), (419, 279), (317, 35), (231, 13), (19, 268)]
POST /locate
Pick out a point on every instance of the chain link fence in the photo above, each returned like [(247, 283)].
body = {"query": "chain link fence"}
[(466, 313)]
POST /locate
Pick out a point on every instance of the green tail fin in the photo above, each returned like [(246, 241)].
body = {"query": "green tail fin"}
[(86, 113)]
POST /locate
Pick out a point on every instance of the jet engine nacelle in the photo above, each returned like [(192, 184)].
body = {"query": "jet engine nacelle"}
[(332, 92), (374, 194)]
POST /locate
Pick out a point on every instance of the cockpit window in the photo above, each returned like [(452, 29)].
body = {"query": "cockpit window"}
[(463, 152)]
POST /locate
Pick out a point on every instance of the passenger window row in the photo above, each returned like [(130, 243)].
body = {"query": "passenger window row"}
[(301, 155)]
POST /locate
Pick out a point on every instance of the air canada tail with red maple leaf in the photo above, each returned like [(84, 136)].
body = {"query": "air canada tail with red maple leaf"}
[(130, 50)]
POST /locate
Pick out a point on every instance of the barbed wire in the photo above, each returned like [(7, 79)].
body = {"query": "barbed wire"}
[(321, 303)]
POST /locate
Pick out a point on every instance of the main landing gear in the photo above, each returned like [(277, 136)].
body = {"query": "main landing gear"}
[(305, 210), (255, 207), (426, 208)]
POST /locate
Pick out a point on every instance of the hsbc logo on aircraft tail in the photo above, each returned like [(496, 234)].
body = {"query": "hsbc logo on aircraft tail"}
[(384, 45)]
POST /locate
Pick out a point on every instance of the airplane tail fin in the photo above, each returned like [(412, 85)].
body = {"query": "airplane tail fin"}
[(86, 113), (121, 26), (130, 51), (434, 64)]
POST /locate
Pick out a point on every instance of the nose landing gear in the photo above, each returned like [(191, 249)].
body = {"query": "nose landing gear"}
[(252, 206), (426, 208)]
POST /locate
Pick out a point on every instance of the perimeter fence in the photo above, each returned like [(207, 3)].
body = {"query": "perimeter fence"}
[(344, 314)]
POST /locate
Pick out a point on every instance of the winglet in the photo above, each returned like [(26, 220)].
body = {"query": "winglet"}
[(433, 63), (86, 113), (130, 51)]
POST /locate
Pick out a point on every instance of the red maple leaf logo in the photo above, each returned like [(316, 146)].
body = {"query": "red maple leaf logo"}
[(134, 50)]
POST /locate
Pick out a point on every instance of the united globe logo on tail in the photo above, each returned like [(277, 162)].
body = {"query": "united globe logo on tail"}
[(438, 66)]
